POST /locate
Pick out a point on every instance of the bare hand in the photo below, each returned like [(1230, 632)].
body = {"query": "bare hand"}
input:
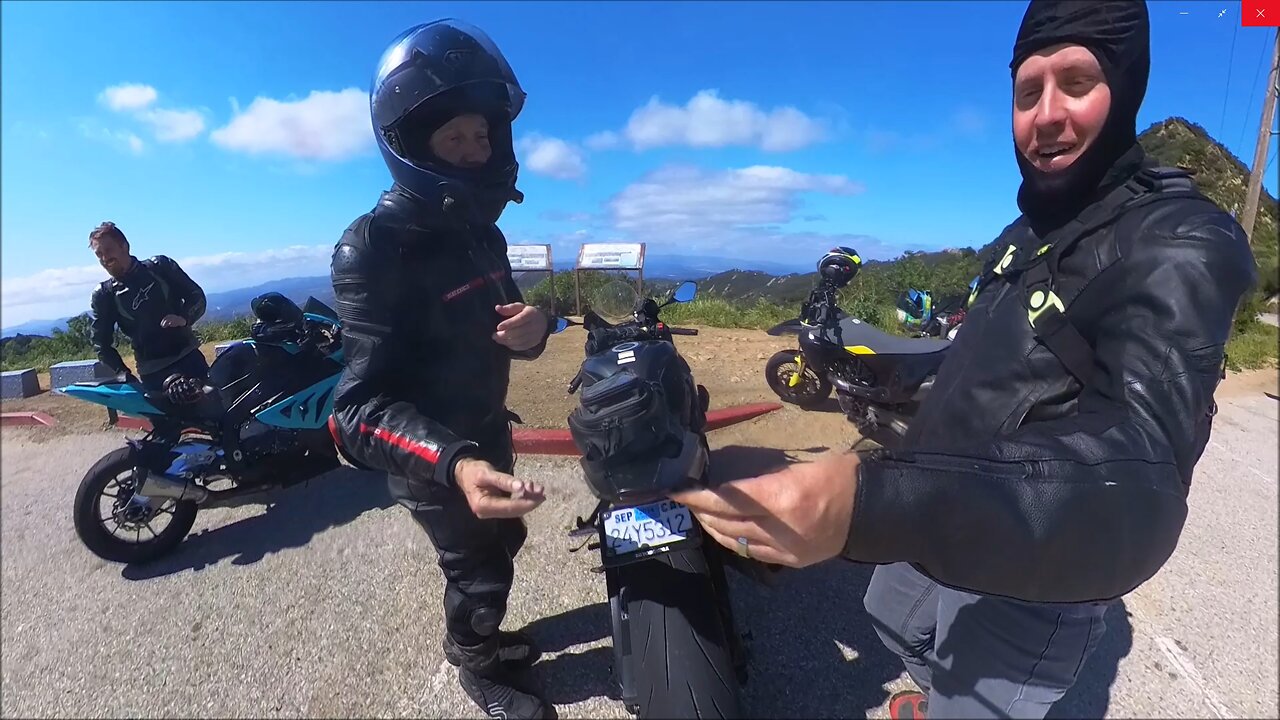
[(172, 321), (493, 494), (523, 328), (795, 517)]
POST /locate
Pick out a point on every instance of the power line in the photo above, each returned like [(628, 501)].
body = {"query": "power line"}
[(1230, 63), (1253, 89)]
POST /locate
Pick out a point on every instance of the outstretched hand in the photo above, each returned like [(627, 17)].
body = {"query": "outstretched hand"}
[(796, 517), (523, 328), (493, 494)]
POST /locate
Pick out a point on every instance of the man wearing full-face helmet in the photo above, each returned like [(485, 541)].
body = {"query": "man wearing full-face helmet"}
[(431, 320)]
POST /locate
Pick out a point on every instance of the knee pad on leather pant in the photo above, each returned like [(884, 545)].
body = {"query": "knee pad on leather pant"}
[(486, 620)]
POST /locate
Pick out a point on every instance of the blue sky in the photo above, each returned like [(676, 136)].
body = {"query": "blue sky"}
[(235, 136)]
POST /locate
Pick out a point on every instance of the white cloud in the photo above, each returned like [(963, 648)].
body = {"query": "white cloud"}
[(167, 124), (173, 125), (603, 140), (325, 125), (129, 96), (675, 199), (65, 291), (120, 139), (735, 213), (552, 156), (710, 121)]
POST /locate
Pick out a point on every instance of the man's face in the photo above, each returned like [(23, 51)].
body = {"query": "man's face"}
[(463, 141), (1060, 103), (112, 255)]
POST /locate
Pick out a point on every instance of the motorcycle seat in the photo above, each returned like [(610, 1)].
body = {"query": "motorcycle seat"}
[(855, 333)]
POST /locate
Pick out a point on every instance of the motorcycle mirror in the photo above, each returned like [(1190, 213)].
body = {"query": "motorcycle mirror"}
[(687, 291), (563, 324)]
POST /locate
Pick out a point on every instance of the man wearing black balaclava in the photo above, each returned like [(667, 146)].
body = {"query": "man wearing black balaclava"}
[(1046, 473)]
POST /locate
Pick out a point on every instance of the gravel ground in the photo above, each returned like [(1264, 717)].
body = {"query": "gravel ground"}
[(328, 603)]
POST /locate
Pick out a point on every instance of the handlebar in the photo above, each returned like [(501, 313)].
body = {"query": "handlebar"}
[(681, 331)]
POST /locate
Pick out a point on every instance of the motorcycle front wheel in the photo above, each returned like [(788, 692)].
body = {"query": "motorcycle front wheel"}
[(147, 530), (810, 392), (677, 639)]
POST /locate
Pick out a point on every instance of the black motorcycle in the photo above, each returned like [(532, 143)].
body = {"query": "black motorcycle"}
[(879, 378), (640, 426)]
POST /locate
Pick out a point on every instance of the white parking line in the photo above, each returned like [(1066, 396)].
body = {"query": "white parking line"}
[(1189, 671)]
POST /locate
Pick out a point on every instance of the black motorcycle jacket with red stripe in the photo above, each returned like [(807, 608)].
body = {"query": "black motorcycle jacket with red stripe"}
[(136, 303), (1019, 479), (416, 294)]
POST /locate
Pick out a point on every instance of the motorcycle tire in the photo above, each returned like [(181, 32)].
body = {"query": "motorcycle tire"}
[(681, 659), (100, 542), (808, 395)]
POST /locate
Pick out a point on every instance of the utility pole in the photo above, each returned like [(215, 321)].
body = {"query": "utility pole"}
[(1264, 141)]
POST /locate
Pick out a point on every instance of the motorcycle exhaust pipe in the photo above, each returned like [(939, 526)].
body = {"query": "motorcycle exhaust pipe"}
[(877, 394), (166, 486)]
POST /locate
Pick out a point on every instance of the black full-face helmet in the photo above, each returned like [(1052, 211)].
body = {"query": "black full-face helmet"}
[(839, 266), (428, 75)]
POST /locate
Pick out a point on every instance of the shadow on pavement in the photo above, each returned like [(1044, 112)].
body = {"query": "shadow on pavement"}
[(294, 516), (735, 462)]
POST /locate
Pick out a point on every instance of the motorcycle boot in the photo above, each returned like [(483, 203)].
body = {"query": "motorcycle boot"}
[(516, 650), (497, 687)]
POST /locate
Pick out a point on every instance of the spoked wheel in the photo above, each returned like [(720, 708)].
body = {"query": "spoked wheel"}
[(780, 371), (117, 524)]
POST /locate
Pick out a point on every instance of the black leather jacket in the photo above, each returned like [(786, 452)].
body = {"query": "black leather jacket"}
[(424, 376), (1018, 481), (152, 289)]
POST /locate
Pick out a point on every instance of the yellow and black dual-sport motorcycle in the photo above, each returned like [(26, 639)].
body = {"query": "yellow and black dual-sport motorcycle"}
[(879, 379)]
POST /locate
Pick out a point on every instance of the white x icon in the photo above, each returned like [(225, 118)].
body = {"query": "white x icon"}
[(1260, 13)]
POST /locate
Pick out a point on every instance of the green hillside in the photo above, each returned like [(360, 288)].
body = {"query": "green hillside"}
[(1223, 178)]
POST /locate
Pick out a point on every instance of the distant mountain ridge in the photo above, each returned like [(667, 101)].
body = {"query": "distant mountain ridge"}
[(228, 304), (1174, 141)]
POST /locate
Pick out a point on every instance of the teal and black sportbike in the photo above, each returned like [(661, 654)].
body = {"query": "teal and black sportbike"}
[(258, 422)]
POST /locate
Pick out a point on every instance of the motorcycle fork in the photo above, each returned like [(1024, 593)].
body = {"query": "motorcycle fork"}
[(795, 379)]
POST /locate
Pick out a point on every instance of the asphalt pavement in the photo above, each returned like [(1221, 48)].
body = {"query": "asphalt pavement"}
[(328, 603)]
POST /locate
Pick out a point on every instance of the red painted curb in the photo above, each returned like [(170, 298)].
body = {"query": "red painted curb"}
[(27, 418), (544, 442), (725, 417), (531, 441)]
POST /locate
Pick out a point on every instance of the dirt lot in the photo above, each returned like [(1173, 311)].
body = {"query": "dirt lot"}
[(730, 363)]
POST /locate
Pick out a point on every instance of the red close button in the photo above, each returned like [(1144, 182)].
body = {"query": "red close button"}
[(1260, 13)]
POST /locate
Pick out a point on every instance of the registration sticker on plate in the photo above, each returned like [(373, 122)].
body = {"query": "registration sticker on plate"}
[(633, 529)]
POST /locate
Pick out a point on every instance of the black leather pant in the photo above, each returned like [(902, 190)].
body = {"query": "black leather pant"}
[(476, 555)]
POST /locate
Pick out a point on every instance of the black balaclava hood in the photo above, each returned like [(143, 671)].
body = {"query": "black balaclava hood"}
[(1117, 32)]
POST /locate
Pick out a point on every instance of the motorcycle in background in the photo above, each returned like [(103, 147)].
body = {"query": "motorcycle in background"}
[(258, 422)]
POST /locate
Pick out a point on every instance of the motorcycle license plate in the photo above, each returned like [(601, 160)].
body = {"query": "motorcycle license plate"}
[(644, 528)]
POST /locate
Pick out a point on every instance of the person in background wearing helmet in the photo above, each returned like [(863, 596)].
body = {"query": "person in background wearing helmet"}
[(1047, 472), (431, 321)]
